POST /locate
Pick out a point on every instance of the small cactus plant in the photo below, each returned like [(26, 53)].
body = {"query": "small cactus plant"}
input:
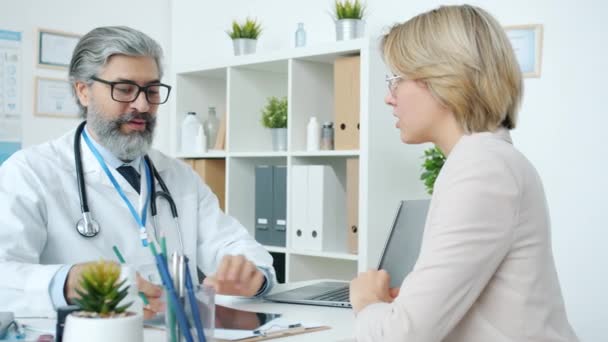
[(250, 29), (348, 9), (100, 292)]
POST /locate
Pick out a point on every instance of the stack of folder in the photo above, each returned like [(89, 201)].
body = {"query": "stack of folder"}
[(271, 204)]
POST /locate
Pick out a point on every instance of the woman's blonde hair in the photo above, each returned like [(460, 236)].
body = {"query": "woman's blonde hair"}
[(465, 58)]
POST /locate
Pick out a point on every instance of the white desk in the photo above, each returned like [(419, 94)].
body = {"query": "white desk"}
[(340, 320)]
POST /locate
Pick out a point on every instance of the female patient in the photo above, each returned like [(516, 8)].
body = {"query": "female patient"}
[(485, 271)]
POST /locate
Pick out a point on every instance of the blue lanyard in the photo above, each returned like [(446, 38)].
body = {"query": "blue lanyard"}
[(141, 220)]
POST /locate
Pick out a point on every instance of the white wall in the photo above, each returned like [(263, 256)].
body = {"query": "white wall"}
[(562, 119), (151, 17)]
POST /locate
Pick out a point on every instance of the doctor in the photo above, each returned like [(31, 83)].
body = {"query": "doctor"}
[(116, 75)]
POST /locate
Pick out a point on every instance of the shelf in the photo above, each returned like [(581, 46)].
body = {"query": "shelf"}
[(276, 249), (307, 267), (217, 154), (323, 53), (239, 88), (332, 153), (269, 154), (330, 255)]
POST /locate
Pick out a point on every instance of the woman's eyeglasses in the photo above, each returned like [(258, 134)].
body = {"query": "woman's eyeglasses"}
[(392, 82)]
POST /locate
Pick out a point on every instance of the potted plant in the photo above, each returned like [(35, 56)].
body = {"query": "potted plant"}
[(433, 162), (274, 116), (245, 36), (349, 19), (103, 315)]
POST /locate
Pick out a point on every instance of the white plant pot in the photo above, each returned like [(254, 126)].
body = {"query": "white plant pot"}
[(279, 139), (120, 329), (350, 29), (244, 46)]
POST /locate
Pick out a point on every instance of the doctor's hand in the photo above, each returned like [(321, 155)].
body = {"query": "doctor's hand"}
[(153, 295), (236, 276), (371, 287), (151, 291), (72, 282)]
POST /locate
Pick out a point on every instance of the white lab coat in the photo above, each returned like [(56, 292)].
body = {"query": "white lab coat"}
[(39, 208)]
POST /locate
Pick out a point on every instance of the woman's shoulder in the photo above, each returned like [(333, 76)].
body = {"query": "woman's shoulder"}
[(488, 153)]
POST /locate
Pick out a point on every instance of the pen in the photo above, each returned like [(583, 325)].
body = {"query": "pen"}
[(122, 261), (265, 331), (180, 314)]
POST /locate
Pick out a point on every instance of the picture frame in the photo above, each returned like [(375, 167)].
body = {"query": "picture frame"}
[(527, 44), (53, 98), (55, 48)]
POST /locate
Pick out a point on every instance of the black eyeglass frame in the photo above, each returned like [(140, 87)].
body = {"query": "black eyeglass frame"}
[(139, 90)]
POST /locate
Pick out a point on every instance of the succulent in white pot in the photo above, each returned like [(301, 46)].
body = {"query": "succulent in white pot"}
[(349, 19), (103, 315), (245, 36)]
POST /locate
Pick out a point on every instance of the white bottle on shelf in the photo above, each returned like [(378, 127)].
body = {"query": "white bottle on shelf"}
[(190, 128), (312, 135)]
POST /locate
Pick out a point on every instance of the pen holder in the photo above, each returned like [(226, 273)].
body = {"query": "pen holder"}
[(205, 299)]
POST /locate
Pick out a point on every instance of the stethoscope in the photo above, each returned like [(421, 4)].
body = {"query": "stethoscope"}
[(88, 227)]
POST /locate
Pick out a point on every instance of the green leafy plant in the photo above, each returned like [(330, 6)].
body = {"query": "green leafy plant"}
[(433, 162), (274, 115), (348, 9), (250, 29), (100, 292)]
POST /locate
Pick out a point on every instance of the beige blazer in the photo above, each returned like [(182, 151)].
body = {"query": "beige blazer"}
[(485, 271)]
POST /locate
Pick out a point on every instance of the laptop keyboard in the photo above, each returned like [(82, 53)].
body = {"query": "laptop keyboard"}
[(337, 295)]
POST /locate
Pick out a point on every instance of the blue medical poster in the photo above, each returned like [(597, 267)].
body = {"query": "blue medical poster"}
[(10, 93)]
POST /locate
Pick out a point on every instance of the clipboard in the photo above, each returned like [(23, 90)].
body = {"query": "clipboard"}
[(279, 333)]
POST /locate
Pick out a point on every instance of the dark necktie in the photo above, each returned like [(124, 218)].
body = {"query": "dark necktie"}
[(132, 176)]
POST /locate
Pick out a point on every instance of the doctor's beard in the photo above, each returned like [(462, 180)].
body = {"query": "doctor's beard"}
[(125, 147)]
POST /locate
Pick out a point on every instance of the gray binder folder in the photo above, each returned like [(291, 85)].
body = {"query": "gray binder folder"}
[(279, 213), (263, 204)]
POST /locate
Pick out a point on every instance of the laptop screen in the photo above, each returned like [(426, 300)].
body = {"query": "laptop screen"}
[(403, 244)]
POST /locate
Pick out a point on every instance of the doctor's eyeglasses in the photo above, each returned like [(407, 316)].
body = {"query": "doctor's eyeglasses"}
[(128, 91)]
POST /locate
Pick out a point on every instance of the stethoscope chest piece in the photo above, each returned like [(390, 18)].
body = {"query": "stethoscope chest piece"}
[(86, 226)]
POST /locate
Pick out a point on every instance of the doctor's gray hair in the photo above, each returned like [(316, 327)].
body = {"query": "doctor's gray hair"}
[(95, 48)]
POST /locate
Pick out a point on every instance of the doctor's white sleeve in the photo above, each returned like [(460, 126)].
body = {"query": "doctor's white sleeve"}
[(220, 235), (468, 234), (24, 284)]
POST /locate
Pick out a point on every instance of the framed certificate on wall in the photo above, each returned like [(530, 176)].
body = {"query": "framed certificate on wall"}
[(53, 97), (527, 44), (55, 48)]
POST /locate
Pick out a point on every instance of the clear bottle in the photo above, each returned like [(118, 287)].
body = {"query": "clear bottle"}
[(201, 139), (189, 130), (312, 135), (211, 127), (327, 136), (300, 35)]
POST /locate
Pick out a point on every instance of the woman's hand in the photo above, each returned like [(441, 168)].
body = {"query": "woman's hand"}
[(371, 287)]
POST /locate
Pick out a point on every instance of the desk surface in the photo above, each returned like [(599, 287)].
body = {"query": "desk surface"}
[(340, 320)]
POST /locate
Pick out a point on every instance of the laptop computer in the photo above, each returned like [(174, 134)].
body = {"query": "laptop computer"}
[(398, 258)]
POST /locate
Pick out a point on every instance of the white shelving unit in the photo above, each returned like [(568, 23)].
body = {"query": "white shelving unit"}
[(388, 170)]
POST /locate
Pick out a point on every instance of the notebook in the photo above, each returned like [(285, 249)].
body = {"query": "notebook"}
[(398, 258)]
